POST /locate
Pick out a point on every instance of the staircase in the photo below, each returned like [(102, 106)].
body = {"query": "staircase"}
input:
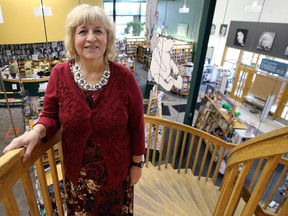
[(170, 193), (180, 176)]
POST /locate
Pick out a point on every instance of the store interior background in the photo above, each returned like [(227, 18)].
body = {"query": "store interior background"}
[(20, 26), (18, 30)]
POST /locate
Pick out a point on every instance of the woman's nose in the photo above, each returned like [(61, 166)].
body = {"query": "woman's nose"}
[(91, 36)]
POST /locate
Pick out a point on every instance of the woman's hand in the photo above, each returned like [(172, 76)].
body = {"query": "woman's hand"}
[(135, 174), (28, 140)]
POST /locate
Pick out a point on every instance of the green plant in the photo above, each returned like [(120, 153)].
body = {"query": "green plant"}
[(136, 27)]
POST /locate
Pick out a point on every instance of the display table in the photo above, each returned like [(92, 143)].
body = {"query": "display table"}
[(12, 102), (32, 86)]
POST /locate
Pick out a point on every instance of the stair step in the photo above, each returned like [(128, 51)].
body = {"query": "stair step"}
[(181, 183), (166, 192), (193, 188), (209, 192), (157, 194)]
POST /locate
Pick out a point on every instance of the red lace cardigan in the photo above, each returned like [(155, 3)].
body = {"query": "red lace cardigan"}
[(116, 122)]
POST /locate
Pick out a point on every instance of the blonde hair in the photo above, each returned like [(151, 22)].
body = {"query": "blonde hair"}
[(86, 14)]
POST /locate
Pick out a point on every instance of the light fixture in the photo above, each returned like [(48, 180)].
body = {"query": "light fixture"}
[(1, 17), (254, 4), (184, 9), (253, 8)]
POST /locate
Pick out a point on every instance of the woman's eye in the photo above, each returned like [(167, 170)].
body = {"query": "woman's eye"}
[(82, 31), (98, 31)]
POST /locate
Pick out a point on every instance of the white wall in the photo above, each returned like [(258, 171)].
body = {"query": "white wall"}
[(227, 10)]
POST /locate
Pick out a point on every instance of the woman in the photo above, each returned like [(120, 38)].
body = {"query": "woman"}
[(99, 105), (240, 38), (266, 40)]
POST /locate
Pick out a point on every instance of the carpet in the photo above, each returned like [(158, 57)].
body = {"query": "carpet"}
[(182, 107), (165, 110)]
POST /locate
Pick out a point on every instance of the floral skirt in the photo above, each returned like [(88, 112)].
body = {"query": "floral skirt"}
[(91, 196)]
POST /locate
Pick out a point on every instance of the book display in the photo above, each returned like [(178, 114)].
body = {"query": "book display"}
[(126, 61), (181, 53), (215, 119), (212, 116), (132, 44), (185, 71), (143, 52)]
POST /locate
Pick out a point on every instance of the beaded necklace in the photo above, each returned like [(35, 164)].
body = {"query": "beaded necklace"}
[(79, 79)]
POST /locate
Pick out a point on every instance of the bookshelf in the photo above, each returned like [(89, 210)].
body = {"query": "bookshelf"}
[(181, 53), (213, 119), (212, 116), (185, 70), (142, 52), (132, 43)]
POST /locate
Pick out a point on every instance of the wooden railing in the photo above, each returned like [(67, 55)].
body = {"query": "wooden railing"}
[(12, 169), (184, 147), (265, 153), (168, 142)]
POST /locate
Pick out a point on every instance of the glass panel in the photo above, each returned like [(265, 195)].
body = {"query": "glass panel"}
[(240, 84), (231, 58), (108, 8), (125, 8), (143, 9)]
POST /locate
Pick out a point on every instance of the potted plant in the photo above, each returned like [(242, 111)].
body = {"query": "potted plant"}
[(136, 26)]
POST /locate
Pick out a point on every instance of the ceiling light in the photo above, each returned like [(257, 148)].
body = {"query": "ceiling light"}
[(184, 9), (254, 4), (253, 8)]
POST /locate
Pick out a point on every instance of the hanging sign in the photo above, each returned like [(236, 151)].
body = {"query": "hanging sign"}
[(274, 67)]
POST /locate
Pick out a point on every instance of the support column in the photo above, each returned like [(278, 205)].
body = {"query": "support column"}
[(204, 34)]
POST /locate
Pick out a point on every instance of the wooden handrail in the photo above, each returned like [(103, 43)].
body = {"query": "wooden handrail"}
[(13, 169), (274, 140), (245, 194), (267, 151)]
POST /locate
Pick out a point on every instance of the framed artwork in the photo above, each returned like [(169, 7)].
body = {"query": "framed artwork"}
[(266, 40), (213, 29), (240, 37), (182, 29), (223, 30)]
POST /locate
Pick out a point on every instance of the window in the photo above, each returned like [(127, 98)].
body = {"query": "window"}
[(126, 11)]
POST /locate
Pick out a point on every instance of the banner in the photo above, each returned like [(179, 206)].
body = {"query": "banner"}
[(274, 67)]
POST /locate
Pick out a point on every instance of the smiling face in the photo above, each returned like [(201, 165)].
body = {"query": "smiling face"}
[(90, 41)]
